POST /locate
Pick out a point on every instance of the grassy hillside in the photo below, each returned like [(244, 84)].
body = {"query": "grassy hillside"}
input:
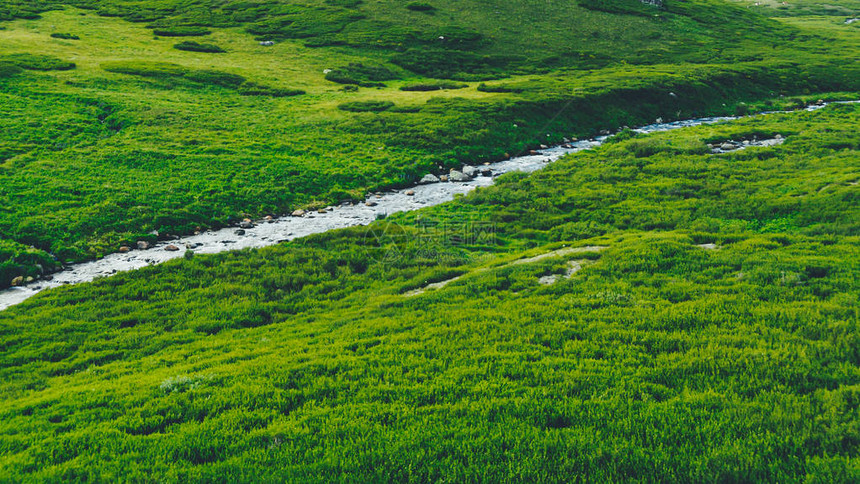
[(110, 131), (798, 8), (701, 326)]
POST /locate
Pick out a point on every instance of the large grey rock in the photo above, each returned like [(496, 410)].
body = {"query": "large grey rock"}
[(428, 178), (470, 171), (458, 176), (143, 245), (18, 281)]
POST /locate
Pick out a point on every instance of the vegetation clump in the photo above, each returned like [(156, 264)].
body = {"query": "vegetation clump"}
[(191, 46), (253, 89), (65, 36), (37, 62), (167, 70), (433, 86), (625, 7), (181, 32), (421, 7), (366, 106), (9, 69), (365, 75)]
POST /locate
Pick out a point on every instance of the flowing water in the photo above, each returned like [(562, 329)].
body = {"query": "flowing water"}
[(269, 232)]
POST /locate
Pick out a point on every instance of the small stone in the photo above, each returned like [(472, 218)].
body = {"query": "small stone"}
[(779, 136), (268, 218), (143, 245), (322, 210), (371, 204), (124, 249), (29, 279), (544, 147), (298, 213), (533, 153), (727, 146), (443, 178), (470, 170), (410, 193), (171, 248), (240, 232), (18, 281)]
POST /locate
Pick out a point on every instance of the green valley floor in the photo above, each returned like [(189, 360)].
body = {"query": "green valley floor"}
[(652, 310)]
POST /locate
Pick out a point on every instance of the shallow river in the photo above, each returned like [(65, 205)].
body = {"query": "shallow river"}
[(269, 232)]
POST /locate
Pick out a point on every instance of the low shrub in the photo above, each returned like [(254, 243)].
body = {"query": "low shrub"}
[(254, 89), (38, 62), (217, 78), (167, 70), (501, 88), (420, 7), (455, 64), (365, 75), (624, 7), (7, 69), (191, 46), (181, 32), (434, 86), (65, 36), (366, 106), (145, 68)]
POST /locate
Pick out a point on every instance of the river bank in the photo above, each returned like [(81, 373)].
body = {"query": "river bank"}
[(269, 232)]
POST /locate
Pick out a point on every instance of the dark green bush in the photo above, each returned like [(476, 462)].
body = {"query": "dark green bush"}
[(145, 68), (254, 89), (365, 75), (217, 78), (65, 36), (167, 70), (366, 106), (420, 7), (344, 3), (8, 69), (454, 64), (500, 88), (433, 86), (181, 32), (38, 62), (626, 7), (191, 46)]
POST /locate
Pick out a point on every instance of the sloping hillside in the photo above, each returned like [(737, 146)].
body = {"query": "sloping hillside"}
[(126, 118), (648, 311)]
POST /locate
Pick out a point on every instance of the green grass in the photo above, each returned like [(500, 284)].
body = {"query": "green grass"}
[(661, 360), (713, 338), (141, 136)]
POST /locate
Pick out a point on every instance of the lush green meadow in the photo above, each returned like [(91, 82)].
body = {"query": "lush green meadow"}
[(662, 359), (119, 132), (647, 311)]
